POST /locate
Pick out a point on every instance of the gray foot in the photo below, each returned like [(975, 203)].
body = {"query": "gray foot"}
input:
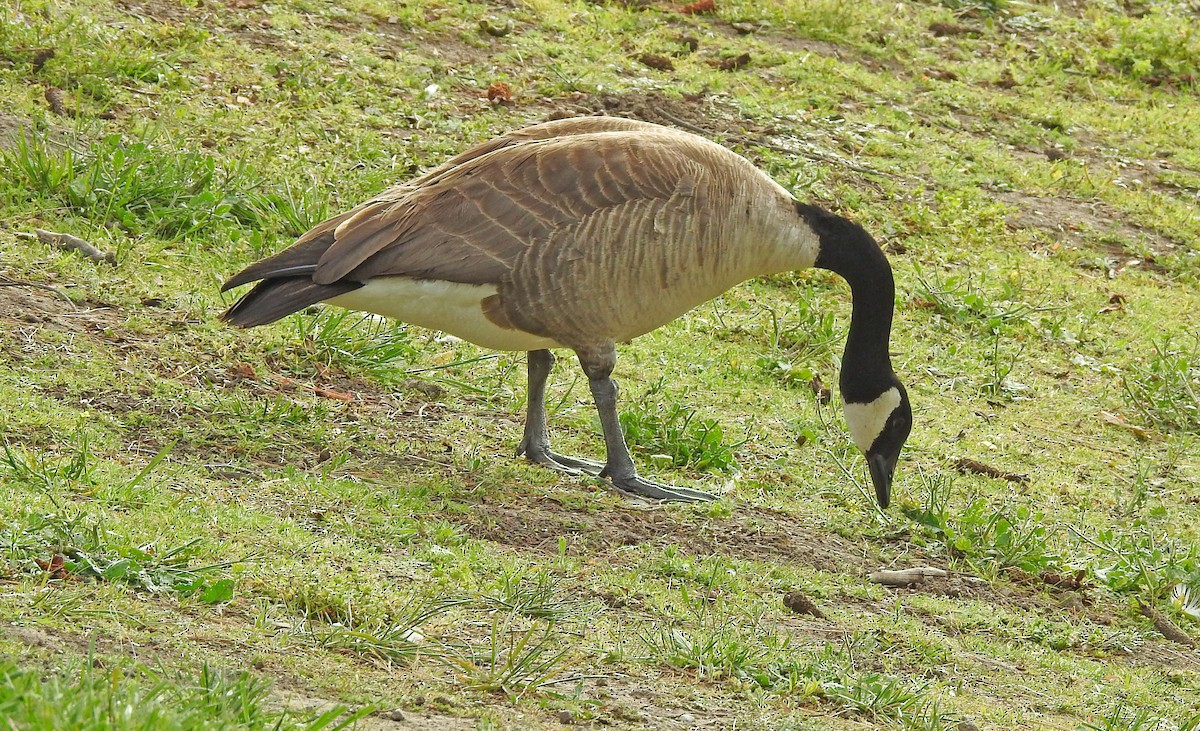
[(642, 487), (561, 462)]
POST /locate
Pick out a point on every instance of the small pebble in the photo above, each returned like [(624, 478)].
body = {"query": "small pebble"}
[(686, 718), (566, 717), (967, 726), (396, 715)]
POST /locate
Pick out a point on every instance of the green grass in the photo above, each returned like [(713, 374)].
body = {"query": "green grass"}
[(129, 696), (199, 523)]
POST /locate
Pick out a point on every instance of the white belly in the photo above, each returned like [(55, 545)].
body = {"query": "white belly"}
[(446, 306)]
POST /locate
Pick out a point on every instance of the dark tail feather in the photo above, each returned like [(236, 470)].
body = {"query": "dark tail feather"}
[(272, 299), (300, 258)]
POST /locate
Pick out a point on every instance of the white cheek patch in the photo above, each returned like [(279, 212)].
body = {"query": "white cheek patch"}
[(866, 421)]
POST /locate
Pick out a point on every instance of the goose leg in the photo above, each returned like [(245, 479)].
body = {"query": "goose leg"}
[(619, 470), (535, 444)]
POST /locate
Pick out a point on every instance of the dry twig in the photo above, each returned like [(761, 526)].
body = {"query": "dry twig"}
[(1166, 626), (966, 464), (906, 577), (68, 242)]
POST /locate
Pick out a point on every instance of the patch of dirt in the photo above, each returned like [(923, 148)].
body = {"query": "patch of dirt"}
[(10, 130), (34, 637), (282, 699), (1162, 654), (1077, 224), (961, 586), (159, 11), (536, 523), (792, 42), (26, 304), (449, 49), (649, 703)]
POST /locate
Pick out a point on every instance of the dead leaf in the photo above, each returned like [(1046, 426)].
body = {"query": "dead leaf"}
[(942, 29), (56, 97), (55, 567), (1116, 303), (699, 8), (242, 370), (1073, 580), (282, 380), (820, 390), (732, 64), (1119, 421), (330, 393), (40, 57), (655, 61), (800, 604), (499, 93)]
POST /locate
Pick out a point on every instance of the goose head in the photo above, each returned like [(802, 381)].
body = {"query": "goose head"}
[(879, 428), (874, 401)]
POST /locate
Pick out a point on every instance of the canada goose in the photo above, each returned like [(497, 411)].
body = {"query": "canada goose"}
[(582, 233)]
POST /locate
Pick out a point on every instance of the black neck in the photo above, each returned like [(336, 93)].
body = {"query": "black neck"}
[(849, 251)]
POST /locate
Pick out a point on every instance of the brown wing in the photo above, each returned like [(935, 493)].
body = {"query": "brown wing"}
[(474, 222), (544, 131), (301, 258)]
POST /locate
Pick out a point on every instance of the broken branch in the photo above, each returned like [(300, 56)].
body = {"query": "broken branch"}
[(67, 242), (1166, 626), (906, 577)]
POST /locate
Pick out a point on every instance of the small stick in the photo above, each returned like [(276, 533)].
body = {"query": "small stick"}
[(966, 464), (1166, 626), (318, 390), (905, 577), (67, 241)]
